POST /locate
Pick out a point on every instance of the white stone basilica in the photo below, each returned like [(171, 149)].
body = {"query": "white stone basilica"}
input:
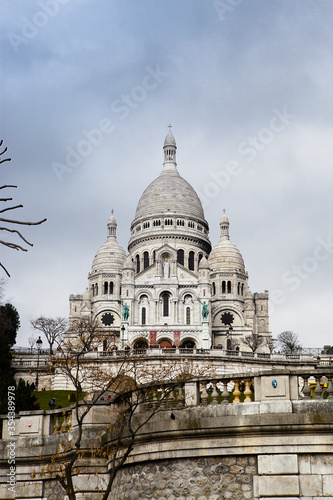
[(172, 289)]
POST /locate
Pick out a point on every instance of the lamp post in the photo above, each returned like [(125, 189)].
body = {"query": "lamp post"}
[(122, 329), (39, 344), (229, 339)]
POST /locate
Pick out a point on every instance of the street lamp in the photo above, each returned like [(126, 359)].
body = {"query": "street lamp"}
[(39, 344), (229, 340), (122, 329)]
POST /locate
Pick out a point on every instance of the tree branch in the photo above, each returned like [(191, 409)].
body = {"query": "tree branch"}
[(3, 267), (24, 223), (10, 208), (17, 232)]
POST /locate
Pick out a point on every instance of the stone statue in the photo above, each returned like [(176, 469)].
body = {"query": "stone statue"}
[(125, 312), (205, 311)]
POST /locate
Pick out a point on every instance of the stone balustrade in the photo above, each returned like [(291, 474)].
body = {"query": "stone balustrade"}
[(263, 435), (263, 387)]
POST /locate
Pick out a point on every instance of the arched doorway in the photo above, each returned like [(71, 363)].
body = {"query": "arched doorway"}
[(187, 344), (165, 344), (140, 344)]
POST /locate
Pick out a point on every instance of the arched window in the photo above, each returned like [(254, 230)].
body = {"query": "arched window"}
[(165, 299), (229, 286), (154, 256), (96, 289), (137, 263), (188, 316), (242, 289), (106, 287), (238, 288), (145, 260), (200, 257), (214, 289), (223, 287), (93, 290), (180, 257), (111, 287), (191, 261), (143, 316)]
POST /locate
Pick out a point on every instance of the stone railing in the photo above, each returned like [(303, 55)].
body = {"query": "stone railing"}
[(316, 385), (30, 362), (263, 387), (60, 421), (283, 385), (39, 422), (206, 352)]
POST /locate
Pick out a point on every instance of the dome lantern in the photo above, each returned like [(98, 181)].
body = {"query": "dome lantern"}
[(112, 226), (224, 225), (169, 151)]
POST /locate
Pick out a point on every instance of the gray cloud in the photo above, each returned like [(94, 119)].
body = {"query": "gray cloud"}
[(225, 78)]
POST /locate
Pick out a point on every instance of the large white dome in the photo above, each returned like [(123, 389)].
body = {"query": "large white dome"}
[(170, 193), (169, 208)]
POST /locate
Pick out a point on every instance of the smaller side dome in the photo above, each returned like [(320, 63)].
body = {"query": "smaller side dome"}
[(111, 256), (129, 264), (225, 255), (203, 264)]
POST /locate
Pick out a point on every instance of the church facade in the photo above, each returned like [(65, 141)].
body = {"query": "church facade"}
[(172, 289)]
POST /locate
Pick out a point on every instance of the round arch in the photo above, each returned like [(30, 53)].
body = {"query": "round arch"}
[(141, 292), (140, 343), (165, 343), (188, 343), (166, 253), (185, 292), (107, 318), (238, 319)]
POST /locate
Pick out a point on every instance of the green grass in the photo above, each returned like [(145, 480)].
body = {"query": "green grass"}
[(62, 398)]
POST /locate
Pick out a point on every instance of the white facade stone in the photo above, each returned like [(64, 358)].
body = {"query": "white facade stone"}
[(278, 464), (170, 274)]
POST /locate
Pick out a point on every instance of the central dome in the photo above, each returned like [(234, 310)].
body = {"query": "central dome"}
[(169, 208), (169, 193)]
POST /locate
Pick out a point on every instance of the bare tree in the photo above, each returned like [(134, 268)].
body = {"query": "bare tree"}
[(288, 342), (32, 342), (133, 390), (270, 343), (254, 341), (8, 225), (52, 328)]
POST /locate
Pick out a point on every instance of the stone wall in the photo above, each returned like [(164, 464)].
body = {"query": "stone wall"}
[(191, 479), (277, 447), (306, 476)]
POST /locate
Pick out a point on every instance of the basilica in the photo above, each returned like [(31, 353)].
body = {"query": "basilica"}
[(172, 289)]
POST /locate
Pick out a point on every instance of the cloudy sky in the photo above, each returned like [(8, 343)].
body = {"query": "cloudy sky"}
[(88, 88)]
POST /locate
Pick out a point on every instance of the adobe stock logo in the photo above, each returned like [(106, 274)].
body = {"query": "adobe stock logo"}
[(298, 273), (122, 107), (30, 27), (248, 149), (224, 7)]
